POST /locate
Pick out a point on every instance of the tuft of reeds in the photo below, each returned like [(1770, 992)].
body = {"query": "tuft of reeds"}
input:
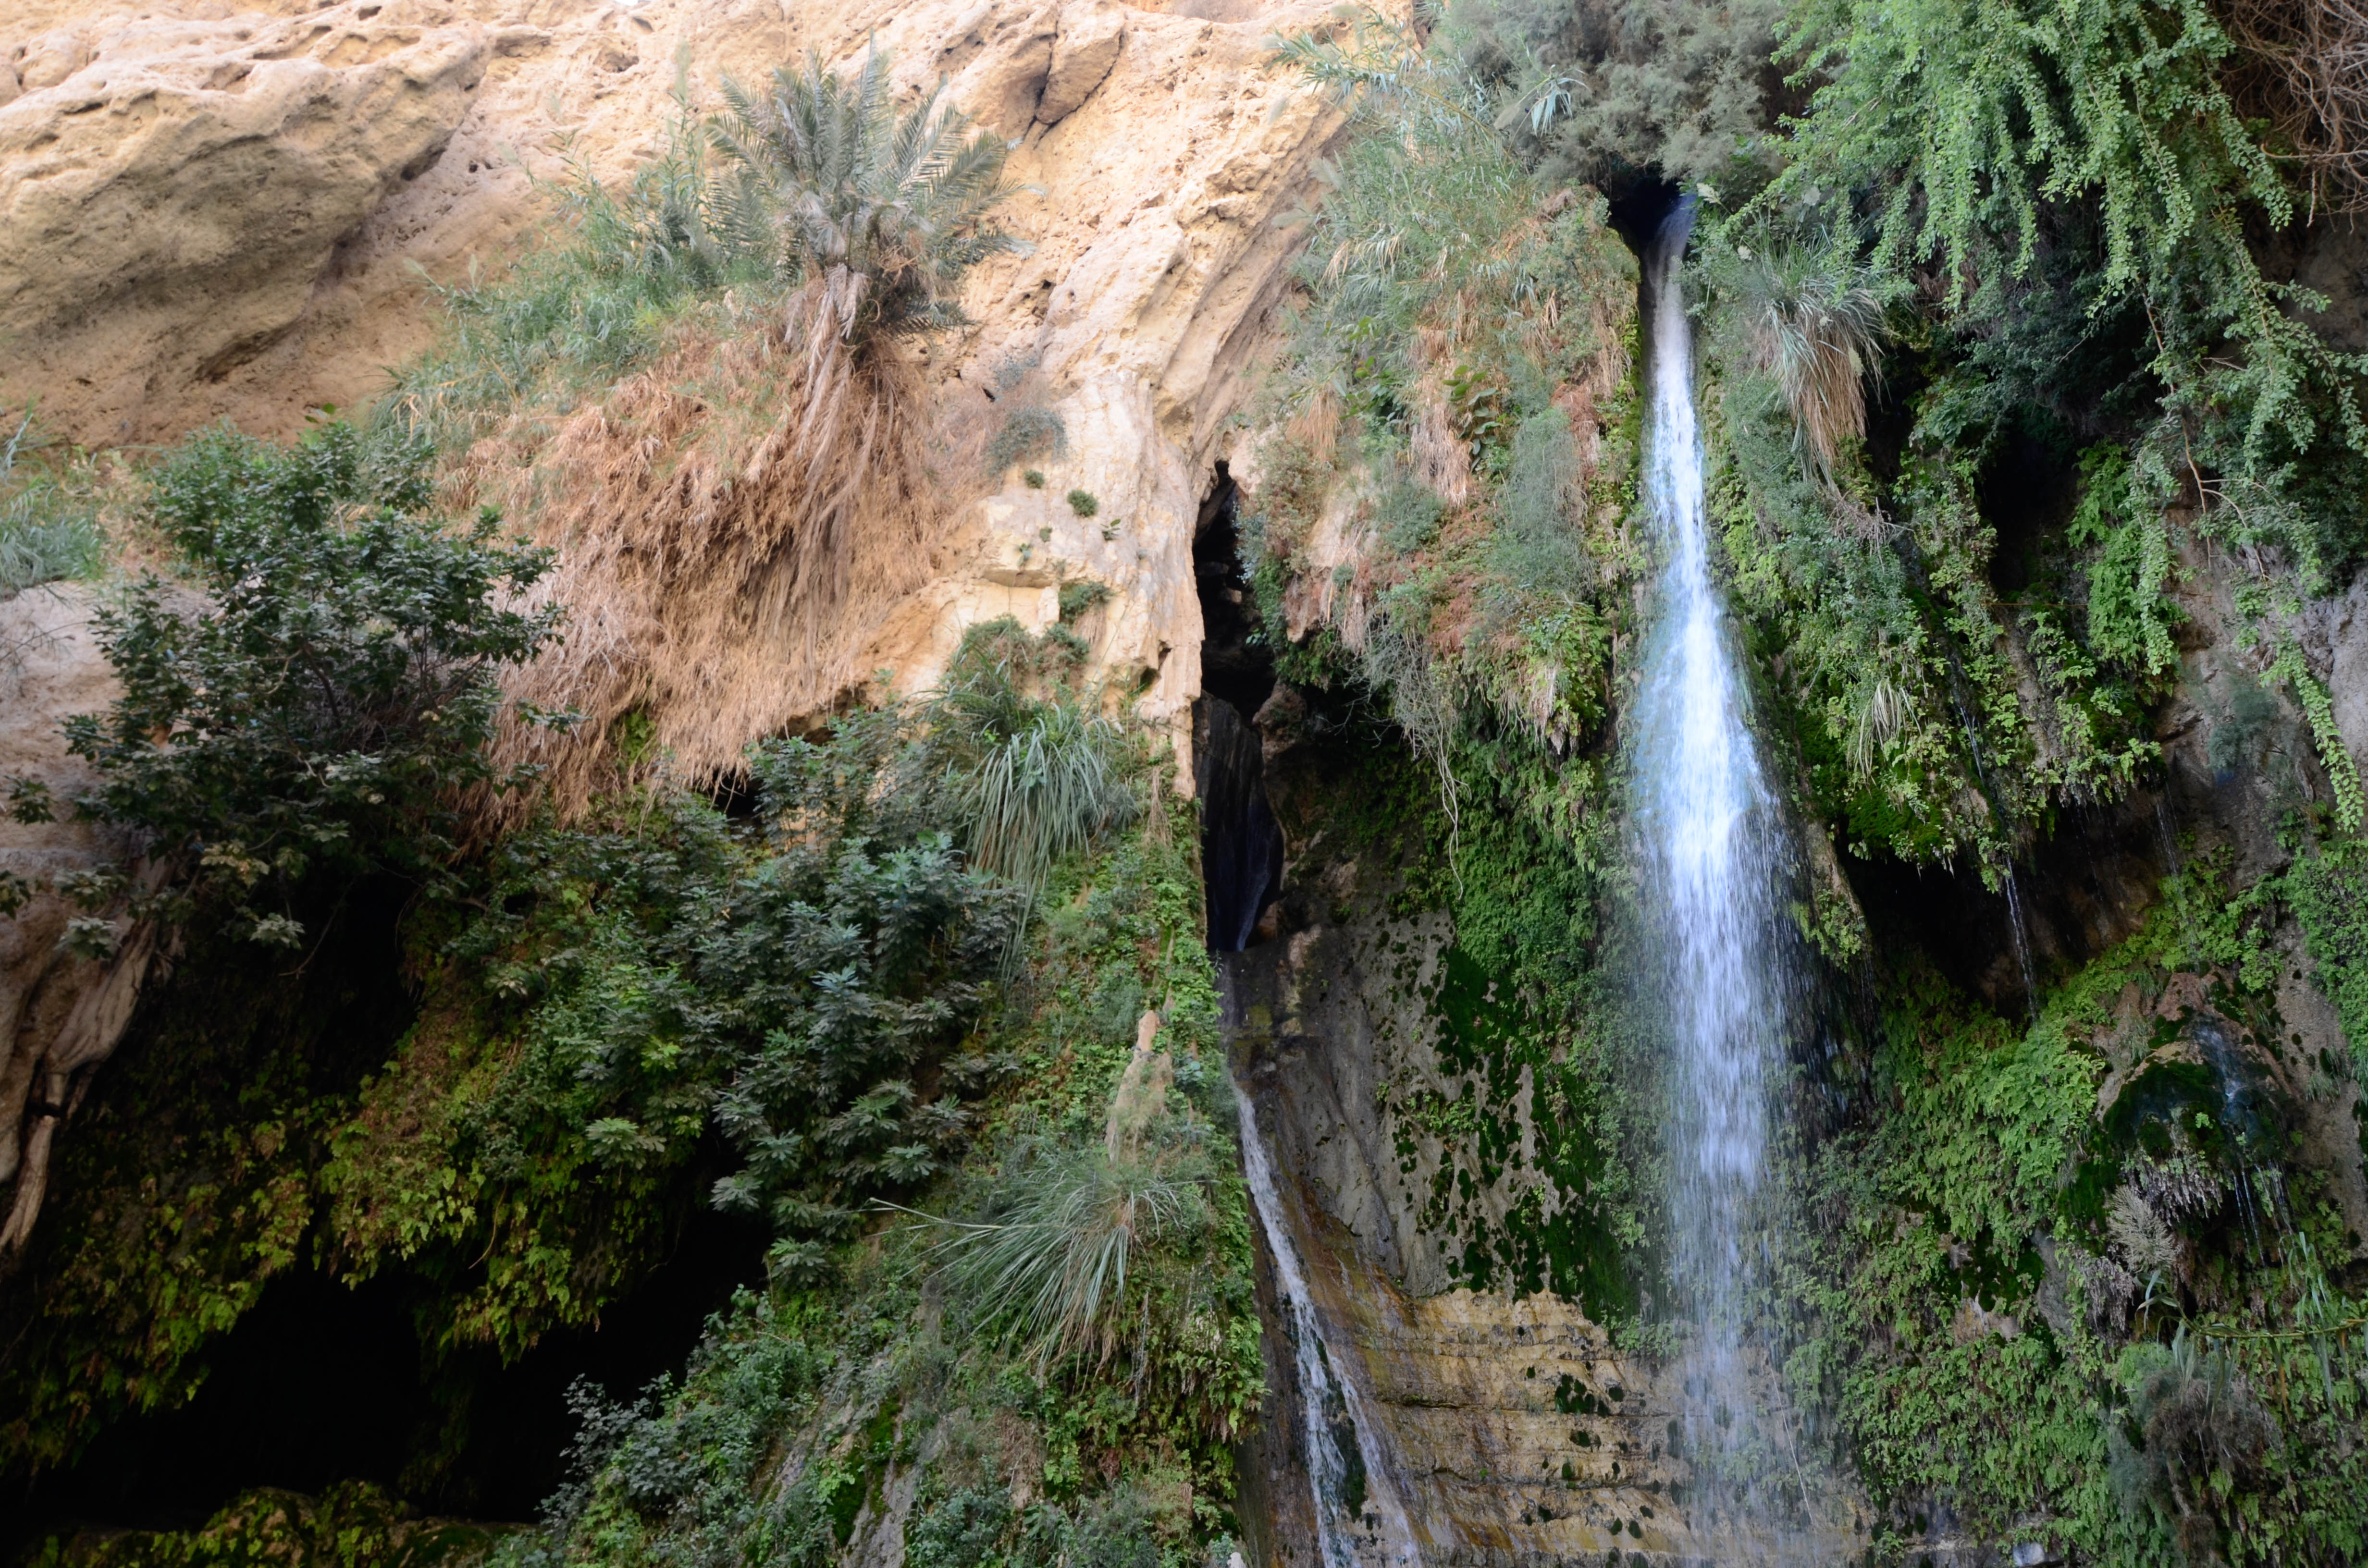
[(1034, 779), (1815, 328), (45, 534)]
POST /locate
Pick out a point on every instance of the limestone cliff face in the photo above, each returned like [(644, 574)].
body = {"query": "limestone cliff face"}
[(71, 967), (217, 212), (208, 213)]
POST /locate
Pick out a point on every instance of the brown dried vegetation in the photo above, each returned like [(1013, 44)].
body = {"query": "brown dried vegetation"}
[(2302, 65), (733, 522)]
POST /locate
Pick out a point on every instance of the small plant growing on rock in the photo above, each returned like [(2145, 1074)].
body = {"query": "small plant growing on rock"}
[(1083, 503), (1034, 478)]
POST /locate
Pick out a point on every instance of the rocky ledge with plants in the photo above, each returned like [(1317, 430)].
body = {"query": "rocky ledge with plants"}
[(656, 1092)]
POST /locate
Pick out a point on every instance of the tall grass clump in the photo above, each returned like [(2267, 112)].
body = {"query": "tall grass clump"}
[(720, 432), (1033, 778), (1047, 1268), (622, 268), (46, 534), (1815, 328)]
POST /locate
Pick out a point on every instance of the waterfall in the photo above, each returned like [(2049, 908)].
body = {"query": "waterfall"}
[(1714, 858), (1358, 1516)]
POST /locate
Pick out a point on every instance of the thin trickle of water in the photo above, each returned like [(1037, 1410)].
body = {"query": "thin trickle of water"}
[(2019, 933), (2017, 930), (2241, 1120), (1713, 851), (1349, 1529)]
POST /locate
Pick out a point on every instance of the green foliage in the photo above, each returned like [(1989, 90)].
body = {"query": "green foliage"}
[(804, 992), (47, 528), (315, 715), (1047, 1263), (1935, 714), (1983, 1342), (2334, 754), (352, 1525), (1083, 503), (2329, 893), (1813, 329), (1969, 127), (594, 298), (1035, 780), (878, 212), (805, 1403), (1602, 92), (2130, 614), (1463, 348), (812, 186), (1025, 434), (190, 1179)]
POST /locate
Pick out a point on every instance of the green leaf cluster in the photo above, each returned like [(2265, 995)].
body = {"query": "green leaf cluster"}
[(312, 706)]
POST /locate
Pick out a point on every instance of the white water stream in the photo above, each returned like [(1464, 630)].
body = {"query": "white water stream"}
[(1713, 857), (1346, 1535)]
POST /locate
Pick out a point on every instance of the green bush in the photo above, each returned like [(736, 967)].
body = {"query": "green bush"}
[(316, 713)]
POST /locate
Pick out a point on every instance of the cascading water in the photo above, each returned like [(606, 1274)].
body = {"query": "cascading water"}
[(1357, 1518), (1714, 860)]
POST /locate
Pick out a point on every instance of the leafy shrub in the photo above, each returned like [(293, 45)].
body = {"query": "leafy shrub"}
[(1976, 127), (2130, 609), (1026, 433), (1080, 596), (1407, 516), (351, 1525), (318, 712), (1083, 503)]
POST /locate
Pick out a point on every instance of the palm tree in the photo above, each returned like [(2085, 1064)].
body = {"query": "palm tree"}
[(878, 214), (1814, 327)]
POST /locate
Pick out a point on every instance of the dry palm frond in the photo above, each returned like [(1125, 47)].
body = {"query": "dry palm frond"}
[(722, 569), (1443, 458), (734, 520), (2302, 65), (1815, 329), (1315, 424), (1879, 721)]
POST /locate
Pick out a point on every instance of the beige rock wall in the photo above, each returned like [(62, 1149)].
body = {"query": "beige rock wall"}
[(63, 1004), (207, 214), (216, 212)]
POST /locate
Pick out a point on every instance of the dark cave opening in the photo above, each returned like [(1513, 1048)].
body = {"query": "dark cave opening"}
[(319, 1382), (1241, 843), (1638, 212), (2084, 887), (322, 1383)]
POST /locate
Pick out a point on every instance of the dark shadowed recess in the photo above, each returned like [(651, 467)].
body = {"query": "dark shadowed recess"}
[(1241, 846), (2084, 887), (321, 1382)]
